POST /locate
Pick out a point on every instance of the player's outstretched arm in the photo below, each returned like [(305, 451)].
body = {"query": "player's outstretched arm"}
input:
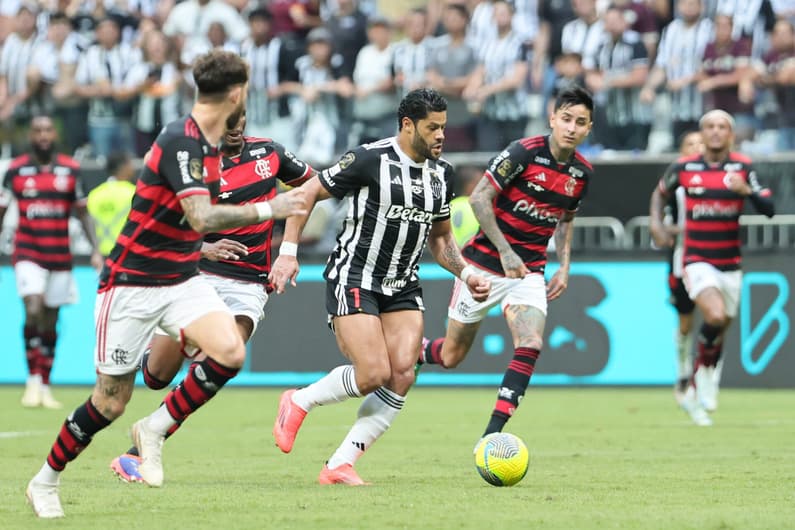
[(563, 232), (442, 245), (285, 267), (205, 217), (482, 201), (87, 222)]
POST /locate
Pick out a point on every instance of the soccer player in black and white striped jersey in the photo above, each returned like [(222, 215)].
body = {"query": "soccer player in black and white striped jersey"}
[(397, 192)]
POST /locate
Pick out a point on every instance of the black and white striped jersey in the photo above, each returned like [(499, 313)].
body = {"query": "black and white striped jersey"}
[(391, 204)]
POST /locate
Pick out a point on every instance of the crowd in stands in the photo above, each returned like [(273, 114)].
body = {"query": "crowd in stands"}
[(327, 74)]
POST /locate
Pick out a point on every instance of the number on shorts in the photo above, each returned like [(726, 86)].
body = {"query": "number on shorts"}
[(355, 291)]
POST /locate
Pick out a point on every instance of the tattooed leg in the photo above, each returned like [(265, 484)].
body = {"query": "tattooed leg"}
[(112, 393)]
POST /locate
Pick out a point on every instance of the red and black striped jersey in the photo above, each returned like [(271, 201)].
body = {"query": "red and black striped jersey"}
[(251, 177), (157, 245), (712, 219), (534, 191), (46, 195)]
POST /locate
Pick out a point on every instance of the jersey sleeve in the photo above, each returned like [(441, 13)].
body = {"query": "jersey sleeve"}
[(504, 167), (670, 179), (348, 174), (450, 178), (182, 167), (292, 171), (80, 196), (756, 186)]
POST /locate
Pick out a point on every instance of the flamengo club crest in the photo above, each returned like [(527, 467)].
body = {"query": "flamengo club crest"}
[(263, 168), (569, 187)]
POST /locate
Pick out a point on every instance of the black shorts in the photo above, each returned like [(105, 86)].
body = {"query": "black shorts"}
[(679, 297), (342, 300)]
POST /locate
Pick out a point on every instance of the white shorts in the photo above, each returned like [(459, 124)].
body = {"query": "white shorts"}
[(58, 287), (126, 318), (530, 291), (245, 299), (699, 276)]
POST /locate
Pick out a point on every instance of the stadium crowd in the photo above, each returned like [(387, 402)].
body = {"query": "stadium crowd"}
[(326, 74)]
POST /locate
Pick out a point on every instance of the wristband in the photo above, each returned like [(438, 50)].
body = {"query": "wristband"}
[(466, 272), (264, 211), (288, 249)]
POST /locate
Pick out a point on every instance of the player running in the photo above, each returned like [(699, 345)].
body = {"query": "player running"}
[(691, 144), (397, 192), (716, 184), (151, 279), (530, 192), (236, 262), (47, 188)]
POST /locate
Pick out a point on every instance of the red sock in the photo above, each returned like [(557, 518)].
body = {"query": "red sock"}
[(204, 380), (76, 433)]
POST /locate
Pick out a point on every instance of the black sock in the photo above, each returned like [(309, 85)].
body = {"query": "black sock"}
[(514, 383), (76, 433), (709, 348)]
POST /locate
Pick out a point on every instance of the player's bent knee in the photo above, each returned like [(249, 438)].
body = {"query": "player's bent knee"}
[(716, 319), (401, 381), (371, 379)]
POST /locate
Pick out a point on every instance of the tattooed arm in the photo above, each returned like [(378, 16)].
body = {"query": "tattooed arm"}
[(560, 280), (482, 201), (205, 217), (443, 247)]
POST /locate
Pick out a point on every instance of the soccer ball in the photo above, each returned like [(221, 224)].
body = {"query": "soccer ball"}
[(501, 459)]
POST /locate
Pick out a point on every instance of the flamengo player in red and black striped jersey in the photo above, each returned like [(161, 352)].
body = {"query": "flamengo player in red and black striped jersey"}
[(47, 188), (529, 193), (236, 262), (151, 279), (716, 184)]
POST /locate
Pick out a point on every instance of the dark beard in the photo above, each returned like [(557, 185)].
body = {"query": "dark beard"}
[(43, 155), (422, 148)]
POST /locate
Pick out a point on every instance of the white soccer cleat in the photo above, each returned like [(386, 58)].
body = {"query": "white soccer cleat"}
[(47, 401), (44, 500), (150, 447), (32, 396), (694, 409), (706, 379)]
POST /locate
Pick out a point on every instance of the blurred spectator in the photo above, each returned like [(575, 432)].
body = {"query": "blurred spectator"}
[(267, 111), (568, 73), (641, 19), (295, 17), (329, 7), (552, 16), (496, 88), (585, 33), (190, 20), (53, 64), (482, 28), (321, 85), (100, 79), (678, 62), (727, 63), (15, 57), (410, 61), (109, 203), (621, 66), (777, 71), (154, 83), (451, 63), (348, 27), (217, 39), (374, 106), (752, 20)]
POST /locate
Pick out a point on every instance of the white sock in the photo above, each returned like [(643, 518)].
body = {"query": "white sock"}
[(336, 386), (376, 414), (160, 420), (47, 475), (684, 357)]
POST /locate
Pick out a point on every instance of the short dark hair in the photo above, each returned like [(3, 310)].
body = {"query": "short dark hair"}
[(217, 71), (60, 17), (261, 12), (460, 9), (418, 103), (574, 95), (116, 161)]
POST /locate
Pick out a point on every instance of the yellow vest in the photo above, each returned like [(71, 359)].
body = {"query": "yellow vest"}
[(109, 204), (463, 220)]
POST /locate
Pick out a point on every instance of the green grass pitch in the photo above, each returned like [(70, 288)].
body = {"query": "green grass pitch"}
[(600, 458)]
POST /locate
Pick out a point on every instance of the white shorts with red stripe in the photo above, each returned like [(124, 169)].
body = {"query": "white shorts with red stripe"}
[(57, 287), (701, 275), (126, 318), (530, 291)]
